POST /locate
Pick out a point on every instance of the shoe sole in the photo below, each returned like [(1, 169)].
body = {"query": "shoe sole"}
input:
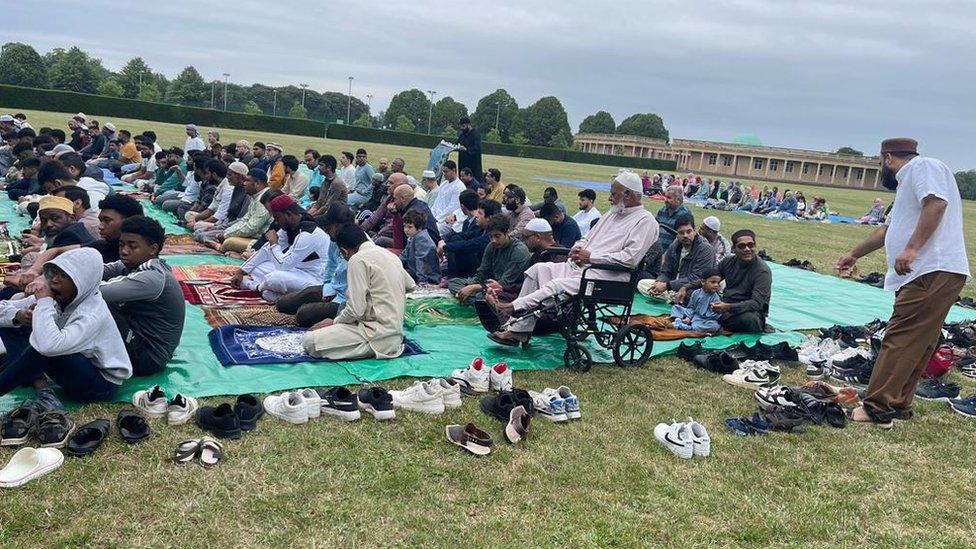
[(452, 403), (344, 415), (555, 418), (422, 408), (15, 441), (960, 412), (288, 419), (574, 415), (937, 399), (748, 385), (379, 415)]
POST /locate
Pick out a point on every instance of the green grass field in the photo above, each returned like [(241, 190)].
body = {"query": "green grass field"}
[(601, 481)]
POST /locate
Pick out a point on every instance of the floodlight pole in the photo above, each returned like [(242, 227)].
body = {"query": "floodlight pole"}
[(213, 89), (304, 87), (349, 102), (430, 112), (498, 110), (226, 79), (274, 107)]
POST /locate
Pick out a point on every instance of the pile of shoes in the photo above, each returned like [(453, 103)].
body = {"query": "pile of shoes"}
[(790, 409), (804, 264), (872, 279)]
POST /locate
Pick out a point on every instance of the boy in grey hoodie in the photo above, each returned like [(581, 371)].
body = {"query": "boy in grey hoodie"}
[(72, 338)]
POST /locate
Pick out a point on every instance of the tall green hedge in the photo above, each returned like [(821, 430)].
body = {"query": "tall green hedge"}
[(65, 101), (372, 135)]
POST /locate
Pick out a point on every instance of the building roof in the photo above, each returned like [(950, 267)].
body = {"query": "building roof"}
[(747, 139)]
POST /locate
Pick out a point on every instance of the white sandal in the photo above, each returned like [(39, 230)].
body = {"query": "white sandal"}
[(28, 464)]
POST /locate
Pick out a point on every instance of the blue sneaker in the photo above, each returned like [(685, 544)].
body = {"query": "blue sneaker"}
[(549, 405), (570, 401), (964, 406)]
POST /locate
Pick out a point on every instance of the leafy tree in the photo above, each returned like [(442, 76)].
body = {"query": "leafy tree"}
[(498, 102), (21, 65), (403, 124), (252, 108), (520, 139), (493, 136), (449, 133), (73, 70), (849, 150), (646, 125), (412, 104), (298, 111), (134, 73), (149, 91), (562, 140), (110, 87), (446, 112), (601, 122), (188, 88), (542, 120), (967, 184), (363, 121)]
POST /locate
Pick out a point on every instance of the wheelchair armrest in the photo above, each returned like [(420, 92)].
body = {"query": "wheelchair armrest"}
[(608, 267), (555, 250)]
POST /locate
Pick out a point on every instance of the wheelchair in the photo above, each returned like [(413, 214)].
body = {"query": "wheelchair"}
[(601, 309)]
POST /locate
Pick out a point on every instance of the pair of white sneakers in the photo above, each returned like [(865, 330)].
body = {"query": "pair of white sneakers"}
[(753, 374), (152, 403), (479, 378), (430, 397), (295, 407), (684, 439)]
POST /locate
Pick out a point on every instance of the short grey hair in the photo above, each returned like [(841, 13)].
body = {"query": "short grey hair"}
[(678, 190)]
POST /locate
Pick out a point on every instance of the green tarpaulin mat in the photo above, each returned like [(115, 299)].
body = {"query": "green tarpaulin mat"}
[(166, 219)]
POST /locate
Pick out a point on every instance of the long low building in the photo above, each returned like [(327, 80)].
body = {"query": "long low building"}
[(743, 160)]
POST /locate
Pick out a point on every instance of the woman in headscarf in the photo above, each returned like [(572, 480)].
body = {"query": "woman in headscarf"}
[(873, 217)]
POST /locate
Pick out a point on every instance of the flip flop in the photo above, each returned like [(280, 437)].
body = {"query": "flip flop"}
[(132, 426), (186, 451), (210, 452), (87, 438), (470, 438), (28, 464)]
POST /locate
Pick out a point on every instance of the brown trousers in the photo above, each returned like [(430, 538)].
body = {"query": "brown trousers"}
[(910, 339)]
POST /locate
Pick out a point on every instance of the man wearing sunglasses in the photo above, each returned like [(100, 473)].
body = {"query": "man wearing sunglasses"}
[(748, 285)]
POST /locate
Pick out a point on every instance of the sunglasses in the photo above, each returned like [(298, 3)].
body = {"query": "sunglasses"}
[(746, 245)]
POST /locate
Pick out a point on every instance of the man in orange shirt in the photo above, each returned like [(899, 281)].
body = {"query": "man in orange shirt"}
[(276, 169)]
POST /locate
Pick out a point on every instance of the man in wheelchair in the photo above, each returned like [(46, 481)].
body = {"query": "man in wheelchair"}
[(621, 238)]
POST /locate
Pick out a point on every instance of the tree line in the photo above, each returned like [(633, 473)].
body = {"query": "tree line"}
[(498, 115)]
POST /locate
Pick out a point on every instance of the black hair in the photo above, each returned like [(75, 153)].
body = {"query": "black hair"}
[(27, 132), (126, 133), (151, 135), (489, 207), (56, 136), (416, 218), (74, 192), (290, 162), (743, 232), (683, 220), (259, 145), (587, 193), (8, 135), (315, 154), (348, 155), (146, 227), (551, 191), (337, 214), (161, 155), (215, 166), (72, 160), (350, 236), (498, 223), (548, 210), (360, 151), (450, 165), (328, 160), (468, 199), (467, 171), (270, 195), (495, 173), (710, 272), (21, 147), (125, 205), (175, 150), (30, 161)]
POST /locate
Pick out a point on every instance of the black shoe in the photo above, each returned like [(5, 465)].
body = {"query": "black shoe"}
[(793, 263), (761, 351), (19, 424), (934, 389), (856, 362), (487, 316), (221, 421), (740, 351), (87, 438), (783, 351), (248, 410), (500, 406), (377, 401), (341, 403), (54, 429), (132, 426), (764, 256), (689, 352), (719, 362)]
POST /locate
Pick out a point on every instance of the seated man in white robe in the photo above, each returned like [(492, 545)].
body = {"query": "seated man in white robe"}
[(293, 258), (371, 322), (621, 237)]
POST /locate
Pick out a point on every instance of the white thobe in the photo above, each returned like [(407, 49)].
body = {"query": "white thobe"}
[(277, 269)]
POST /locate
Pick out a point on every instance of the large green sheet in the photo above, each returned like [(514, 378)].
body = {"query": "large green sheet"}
[(166, 219)]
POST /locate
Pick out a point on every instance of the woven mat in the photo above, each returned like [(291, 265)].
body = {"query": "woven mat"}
[(219, 294), (210, 272), (262, 316)]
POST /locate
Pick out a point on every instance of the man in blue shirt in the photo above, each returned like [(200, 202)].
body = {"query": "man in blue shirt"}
[(669, 214), (565, 230), (362, 187)]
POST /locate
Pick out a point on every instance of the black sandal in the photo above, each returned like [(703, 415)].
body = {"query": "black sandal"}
[(211, 452), (186, 451)]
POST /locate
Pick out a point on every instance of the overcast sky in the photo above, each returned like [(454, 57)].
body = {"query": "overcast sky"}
[(812, 74)]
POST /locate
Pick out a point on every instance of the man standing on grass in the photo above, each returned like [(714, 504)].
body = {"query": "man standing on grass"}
[(927, 267), (469, 147)]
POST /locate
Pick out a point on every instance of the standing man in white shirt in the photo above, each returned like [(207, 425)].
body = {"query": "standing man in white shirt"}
[(193, 141), (448, 197), (927, 267), (347, 172), (587, 213)]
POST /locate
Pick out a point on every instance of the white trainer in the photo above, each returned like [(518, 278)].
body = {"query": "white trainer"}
[(151, 402), (700, 441), (676, 438), (313, 402), (753, 374), (419, 397), (474, 379), (181, 409), (450, 391), (500, 377), (287, 406)]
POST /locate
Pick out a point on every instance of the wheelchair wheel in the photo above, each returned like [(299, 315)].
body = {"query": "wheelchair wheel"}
[(577, 357), (632, 345)]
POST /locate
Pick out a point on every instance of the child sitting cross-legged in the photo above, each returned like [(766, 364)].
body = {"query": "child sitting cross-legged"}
[(419, 255), (697, 314)]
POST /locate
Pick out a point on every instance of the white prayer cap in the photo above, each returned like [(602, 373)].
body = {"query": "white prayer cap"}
[(239, 168), (6, 118), (429, 174), (60, 149), (109, 126), (712, 223), (537, 225), (411, 181), (630, 180)]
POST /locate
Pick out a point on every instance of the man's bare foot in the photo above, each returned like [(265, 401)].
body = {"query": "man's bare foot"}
[(212, 244), (235, 255), (860, 415), (505, 308), (512, 336)]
